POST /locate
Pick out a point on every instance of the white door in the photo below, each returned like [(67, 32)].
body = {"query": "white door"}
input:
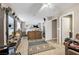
[(65, 28)]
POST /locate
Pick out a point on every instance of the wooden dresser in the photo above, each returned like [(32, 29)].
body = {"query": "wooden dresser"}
[(32, 35)]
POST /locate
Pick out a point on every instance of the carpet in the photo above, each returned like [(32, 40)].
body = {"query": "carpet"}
[(39, 46)]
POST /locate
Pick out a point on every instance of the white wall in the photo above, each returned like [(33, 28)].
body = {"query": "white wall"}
[(48, 30)]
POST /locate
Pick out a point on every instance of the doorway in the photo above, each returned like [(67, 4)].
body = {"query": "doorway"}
[(66, 27), (54, 30)]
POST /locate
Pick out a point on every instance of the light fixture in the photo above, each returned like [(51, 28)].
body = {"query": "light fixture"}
[(46, 5)]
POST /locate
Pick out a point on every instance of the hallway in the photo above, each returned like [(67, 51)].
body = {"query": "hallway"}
[(39, 28)]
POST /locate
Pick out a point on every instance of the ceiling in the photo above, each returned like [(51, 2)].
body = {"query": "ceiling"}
[(32, 12)]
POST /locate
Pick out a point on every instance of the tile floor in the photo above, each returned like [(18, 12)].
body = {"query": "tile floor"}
[(23, 48)]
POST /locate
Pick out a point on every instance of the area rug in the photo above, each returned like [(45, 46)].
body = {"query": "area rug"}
[(39, 46)]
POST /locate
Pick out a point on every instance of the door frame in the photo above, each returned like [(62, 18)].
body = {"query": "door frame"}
[(60, 21)]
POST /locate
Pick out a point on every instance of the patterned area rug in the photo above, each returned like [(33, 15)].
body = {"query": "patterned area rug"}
[(39, 46)]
